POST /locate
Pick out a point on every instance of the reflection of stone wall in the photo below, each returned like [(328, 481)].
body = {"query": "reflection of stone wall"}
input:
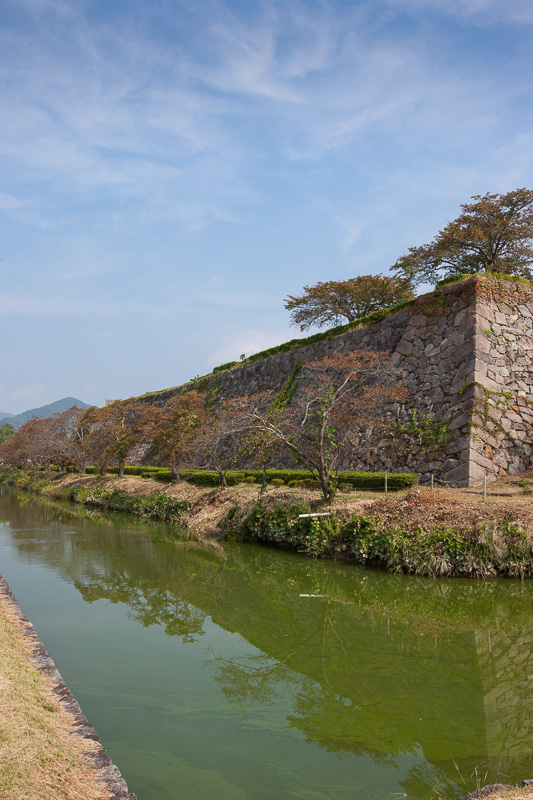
[(506, 670), (381, 664), (464, 353)]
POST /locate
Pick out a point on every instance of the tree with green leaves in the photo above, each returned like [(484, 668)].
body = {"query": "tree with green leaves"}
[(175, 429), (107, 435), (493, 234), (6, 430), (331, 303)]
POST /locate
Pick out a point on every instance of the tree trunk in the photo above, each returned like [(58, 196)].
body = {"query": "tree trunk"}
[(121, 465), (325, 485), (174, 471)]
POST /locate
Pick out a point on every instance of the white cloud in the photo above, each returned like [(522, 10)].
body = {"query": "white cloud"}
[(8, 202), (182, 131)]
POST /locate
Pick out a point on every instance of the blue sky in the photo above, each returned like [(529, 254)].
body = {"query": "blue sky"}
[(172, 170)]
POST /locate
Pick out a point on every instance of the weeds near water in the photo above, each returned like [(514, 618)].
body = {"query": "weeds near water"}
[(484, 550), (159, 506)]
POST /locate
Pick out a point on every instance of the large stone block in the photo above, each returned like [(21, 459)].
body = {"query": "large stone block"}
[(459, 474)]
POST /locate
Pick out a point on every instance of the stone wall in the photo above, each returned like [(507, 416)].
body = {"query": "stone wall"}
[(502, 413), (464, 354)]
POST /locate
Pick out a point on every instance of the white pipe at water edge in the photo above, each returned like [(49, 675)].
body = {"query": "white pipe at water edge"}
[(322, 514)]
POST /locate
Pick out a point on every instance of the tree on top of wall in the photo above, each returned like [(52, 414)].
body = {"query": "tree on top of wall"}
[(494, 234), (336, 302)]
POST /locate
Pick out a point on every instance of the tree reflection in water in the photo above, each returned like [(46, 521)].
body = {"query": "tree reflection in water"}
[(380, 665)]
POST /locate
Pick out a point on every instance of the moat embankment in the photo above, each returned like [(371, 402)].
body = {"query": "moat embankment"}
[(440, 533), (233, 670), (49, 748)]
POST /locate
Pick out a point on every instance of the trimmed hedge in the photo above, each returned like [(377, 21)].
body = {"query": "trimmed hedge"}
[(211, 478), (199, 477), (376, 480), (359, 480)]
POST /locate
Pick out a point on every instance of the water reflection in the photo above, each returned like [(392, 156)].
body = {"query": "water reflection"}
[(378, 665)]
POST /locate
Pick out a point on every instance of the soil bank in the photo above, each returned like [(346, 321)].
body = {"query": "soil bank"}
[(49, 749)]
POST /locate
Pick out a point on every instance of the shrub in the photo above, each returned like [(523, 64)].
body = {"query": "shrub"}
[(162, 475), (224, 367), (156, 506), (304, 483), (451, 279), (204, 478), (376, 480), (359, 480)]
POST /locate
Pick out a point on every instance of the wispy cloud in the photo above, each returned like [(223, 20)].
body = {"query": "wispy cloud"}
[(173, 131), (147, 147), (8, 202)]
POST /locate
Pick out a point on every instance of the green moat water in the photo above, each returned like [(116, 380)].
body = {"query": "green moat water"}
[(238, 671)]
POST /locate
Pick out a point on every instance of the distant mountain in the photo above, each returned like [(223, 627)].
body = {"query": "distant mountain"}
[(43, 411), (4, 415)]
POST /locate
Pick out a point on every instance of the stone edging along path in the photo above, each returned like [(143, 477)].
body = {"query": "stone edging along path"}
[(105, 771)]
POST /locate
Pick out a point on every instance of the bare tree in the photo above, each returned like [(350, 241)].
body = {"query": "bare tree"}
[(344, 395), (221, 441)]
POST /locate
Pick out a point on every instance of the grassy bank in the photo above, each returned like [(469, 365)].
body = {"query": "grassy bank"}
[(40, 758), (415, 531)]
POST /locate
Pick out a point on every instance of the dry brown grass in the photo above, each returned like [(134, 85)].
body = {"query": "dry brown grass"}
[(506, 500), (40, 759), (514, 793)]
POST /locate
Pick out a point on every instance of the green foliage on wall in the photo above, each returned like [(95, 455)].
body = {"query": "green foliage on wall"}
[(425, 430), (286, 393)]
